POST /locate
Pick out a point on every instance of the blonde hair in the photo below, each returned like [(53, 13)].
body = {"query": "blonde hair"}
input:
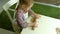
[(26, 2)]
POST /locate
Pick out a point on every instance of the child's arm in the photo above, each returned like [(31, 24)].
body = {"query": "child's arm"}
[(33, 14), (20, 19)]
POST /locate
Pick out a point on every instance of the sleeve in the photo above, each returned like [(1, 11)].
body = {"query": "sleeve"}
[(21, 21)]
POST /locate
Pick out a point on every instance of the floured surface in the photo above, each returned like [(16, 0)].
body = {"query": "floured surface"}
[(46, 25)]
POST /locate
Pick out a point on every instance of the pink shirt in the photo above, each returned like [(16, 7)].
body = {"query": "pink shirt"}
[(21, 19)]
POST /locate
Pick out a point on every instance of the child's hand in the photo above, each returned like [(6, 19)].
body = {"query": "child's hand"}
[(37, 16), (32, 25)]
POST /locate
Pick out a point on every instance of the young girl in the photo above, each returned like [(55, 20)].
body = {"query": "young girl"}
[(23, 8)]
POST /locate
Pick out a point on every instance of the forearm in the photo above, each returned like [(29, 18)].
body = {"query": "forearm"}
[(31, 12)]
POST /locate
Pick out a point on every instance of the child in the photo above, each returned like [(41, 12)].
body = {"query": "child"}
[(24, 7)]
